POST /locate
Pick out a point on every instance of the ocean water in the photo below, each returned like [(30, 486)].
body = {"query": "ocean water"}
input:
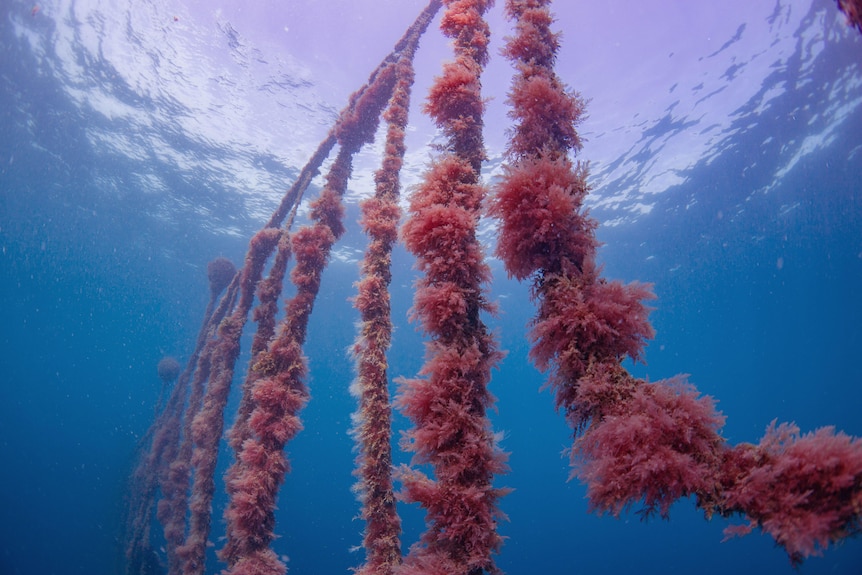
[(140, 140)]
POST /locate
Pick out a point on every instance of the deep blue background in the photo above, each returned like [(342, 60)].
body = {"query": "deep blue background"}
[(758, 299)]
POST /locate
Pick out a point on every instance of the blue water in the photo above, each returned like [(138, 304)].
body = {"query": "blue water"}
[(109, 214)]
